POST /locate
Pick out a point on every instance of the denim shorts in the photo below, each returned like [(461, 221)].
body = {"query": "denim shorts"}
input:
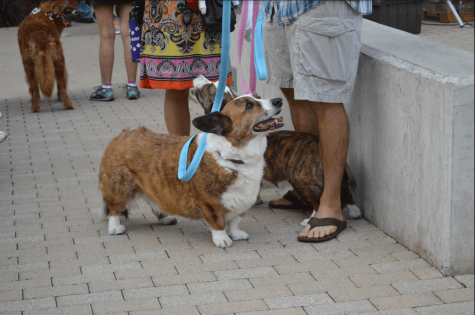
[(317, 54)]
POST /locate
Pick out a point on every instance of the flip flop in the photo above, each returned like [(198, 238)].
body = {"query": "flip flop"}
[(296, 203), (314, 222)]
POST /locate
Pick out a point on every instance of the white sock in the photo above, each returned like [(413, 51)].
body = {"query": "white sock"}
[(107, 86), (132, 84)]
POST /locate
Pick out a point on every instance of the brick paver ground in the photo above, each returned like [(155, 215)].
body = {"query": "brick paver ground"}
[(57, 258)]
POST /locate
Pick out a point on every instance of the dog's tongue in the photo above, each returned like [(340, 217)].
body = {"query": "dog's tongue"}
[(275, 121)]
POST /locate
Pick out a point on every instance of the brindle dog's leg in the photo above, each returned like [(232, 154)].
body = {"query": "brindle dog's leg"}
[(216, 221)]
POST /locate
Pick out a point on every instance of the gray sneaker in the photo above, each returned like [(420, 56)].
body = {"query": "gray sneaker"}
[(101, 94), (132, 92)]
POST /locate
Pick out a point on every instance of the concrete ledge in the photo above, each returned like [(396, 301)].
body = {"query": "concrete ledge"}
[(411, 145)]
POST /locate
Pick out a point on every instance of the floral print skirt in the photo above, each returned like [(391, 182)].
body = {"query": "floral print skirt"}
[(176, 47)]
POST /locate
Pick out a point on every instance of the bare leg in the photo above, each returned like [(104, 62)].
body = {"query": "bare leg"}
[(177, 112), (334, 137), (303, 119), (123, 12), (105, 22)]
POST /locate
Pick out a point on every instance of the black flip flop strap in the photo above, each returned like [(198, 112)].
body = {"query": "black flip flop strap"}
[(314, 222)]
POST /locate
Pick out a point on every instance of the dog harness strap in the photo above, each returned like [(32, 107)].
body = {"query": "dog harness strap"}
[(186, 174), (260, 60)]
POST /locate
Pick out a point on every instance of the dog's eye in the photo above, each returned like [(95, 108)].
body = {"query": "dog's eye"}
[(249, 106)]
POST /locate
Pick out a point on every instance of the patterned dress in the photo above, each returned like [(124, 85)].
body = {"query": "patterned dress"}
[(176, 47)]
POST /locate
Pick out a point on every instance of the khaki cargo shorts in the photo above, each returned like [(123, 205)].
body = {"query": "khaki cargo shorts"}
[(317, 54)]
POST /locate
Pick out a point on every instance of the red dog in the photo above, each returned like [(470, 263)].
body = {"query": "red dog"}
[(41, 50)]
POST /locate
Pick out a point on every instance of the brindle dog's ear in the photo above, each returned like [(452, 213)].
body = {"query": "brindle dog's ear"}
[(255, 95), (216, 123)]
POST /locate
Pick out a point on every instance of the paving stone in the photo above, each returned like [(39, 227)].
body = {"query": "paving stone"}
[(303, 277), (155, 292), (331, 273), (232, 307), (227, 257), (458, 295), (119, 259), (289, 261), (298, 300), (465, 280), (120, 285), (125, 306), (193, 299), (65, 280), (187, 269), (407, 255), (322, 286), (385, 278), (344, 295), (25, 284), (68, 310), (427, 285), (15, 295), (188, 310), (427, 273), (146, 272), (184, 279), (87, 270), (36, 293), (340, 308), (383, 249), (219, 286), (401, 266), (365, 260), (258, 294), (89, 298), (303, 267), (405, 301), (464, 308), (404, 311), (286, 311), (245, 273), (25, 305)]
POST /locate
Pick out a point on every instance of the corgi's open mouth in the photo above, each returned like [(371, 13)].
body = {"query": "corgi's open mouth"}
[(269, 124)]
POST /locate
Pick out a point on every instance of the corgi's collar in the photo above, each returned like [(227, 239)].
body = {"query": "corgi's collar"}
[(232, 160), (51, 16)]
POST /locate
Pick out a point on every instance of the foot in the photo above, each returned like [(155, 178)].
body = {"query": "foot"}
[(132, 92), (101, 94), (237, 235), (289, 201), (221, 239), (322, 231), (168, 221)]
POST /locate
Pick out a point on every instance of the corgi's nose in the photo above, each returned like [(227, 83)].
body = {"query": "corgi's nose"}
[(277, 102)]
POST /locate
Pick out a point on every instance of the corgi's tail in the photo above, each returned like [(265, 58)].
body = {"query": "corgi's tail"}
[(44, 73)]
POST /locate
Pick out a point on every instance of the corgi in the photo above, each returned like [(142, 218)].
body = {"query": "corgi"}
[(142, 164), (292, 157)]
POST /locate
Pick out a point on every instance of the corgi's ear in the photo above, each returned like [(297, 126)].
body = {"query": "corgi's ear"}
[(216, 123)]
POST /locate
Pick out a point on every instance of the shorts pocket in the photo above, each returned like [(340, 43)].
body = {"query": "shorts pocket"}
[(326, 47)]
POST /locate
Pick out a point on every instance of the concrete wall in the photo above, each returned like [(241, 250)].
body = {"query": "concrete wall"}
[(412, 142)]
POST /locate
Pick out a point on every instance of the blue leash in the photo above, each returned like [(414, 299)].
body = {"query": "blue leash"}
[(186, 174), (259, 59)]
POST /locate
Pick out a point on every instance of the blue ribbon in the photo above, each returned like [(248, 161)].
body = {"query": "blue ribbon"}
[(186, 174), (259, 59)]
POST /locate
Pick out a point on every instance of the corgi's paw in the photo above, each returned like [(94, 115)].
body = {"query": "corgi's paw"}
[(117, 230), (237, 235), (221, 239), (168, 221)]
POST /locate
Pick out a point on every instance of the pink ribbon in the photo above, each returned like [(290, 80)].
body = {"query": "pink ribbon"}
[(251, 89)]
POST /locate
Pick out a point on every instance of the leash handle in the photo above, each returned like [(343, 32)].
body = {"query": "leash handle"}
[(186, 174), (260, 59)]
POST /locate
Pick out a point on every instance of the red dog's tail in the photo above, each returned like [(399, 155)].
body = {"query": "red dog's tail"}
[(44, 73)]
